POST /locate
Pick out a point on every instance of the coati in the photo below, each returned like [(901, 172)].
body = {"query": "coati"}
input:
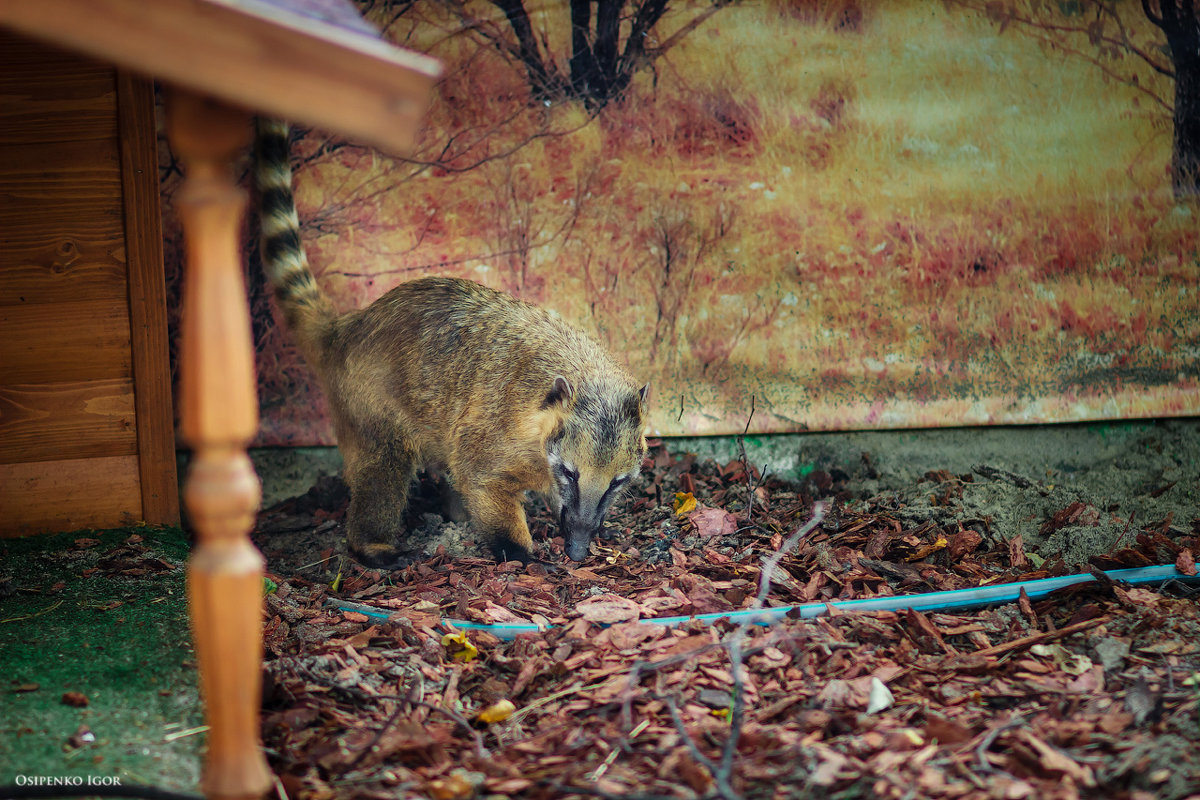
[(441, 371)]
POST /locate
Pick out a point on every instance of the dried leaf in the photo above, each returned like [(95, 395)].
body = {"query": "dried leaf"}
[(608, 608), (924, 633), (710, 522), (839, 693), (459, 647), (831, 763), (498, 613), (684, 502), (1088, 683), (1016, 552), (963, 543), (946, 731), (76, 699), (1064, 659), (1076, 513), (680, 764), (507, 787), (924, 551), (1136, 596)]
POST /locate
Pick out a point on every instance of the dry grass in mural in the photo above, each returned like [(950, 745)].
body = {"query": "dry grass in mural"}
[(864, 213)]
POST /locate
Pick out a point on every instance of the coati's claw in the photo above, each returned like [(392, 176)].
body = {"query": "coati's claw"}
[(509, 551)]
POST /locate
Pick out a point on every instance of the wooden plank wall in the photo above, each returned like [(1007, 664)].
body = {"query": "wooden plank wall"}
[(79, 446)]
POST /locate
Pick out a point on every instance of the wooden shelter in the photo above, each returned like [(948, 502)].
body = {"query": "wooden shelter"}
[(221, 61), (85, 387)]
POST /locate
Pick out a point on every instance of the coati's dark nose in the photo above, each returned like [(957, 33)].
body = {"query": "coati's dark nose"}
[(577, 547), (577, 535)]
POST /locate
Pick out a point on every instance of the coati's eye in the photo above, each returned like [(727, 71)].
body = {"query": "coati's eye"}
[(570, 474), (614, 488)]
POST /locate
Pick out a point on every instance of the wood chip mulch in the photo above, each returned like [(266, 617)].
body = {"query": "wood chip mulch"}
[(1092, 692)]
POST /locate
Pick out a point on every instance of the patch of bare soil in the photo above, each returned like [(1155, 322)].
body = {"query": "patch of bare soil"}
[(1092, 692)]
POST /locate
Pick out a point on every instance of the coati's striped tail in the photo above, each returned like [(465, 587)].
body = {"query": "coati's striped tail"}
[(307, 310)]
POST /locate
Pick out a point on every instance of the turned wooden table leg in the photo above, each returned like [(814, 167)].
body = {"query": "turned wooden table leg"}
[(219, 411)]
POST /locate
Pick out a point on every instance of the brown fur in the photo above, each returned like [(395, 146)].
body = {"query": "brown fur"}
[(442, 371)]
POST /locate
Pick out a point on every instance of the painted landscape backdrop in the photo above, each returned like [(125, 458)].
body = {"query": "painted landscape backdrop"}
[(842, 214)]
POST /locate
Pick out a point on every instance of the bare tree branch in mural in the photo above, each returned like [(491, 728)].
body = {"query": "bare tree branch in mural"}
[(683, 254), (713, 345), (1102, 33), (601, 63), (488, 117), (525, 225)]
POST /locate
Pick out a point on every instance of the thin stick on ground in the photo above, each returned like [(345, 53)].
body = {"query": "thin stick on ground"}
[(1038, 638), (733, 643), (751, 484), (722, 771), (771, 563), (720, 775), (481, 751), (986, 743)]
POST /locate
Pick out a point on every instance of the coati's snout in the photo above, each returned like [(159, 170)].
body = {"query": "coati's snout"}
[(592, 456), (583, 508), (577, 533)]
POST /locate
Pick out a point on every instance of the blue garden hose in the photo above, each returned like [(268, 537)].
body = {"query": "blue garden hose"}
[(955, 600)]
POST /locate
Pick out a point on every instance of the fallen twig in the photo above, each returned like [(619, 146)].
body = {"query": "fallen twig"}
[(1027, 641), (616, 751), (31, 616), (733, 643), (990, 739), (751, 484), (462, 722), (771, 563), (996, 472), (550, 698), (720, 776)]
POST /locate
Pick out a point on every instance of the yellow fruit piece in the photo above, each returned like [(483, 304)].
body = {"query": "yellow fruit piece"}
[(497, 712)]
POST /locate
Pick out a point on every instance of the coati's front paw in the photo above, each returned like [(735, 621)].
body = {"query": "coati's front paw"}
[(508, 550), (377, 555)]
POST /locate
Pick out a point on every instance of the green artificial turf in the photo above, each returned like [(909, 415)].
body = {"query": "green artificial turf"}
[(121, 641)]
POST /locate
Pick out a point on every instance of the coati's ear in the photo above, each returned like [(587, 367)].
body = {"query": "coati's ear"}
[(559, 394), (644, 395)]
